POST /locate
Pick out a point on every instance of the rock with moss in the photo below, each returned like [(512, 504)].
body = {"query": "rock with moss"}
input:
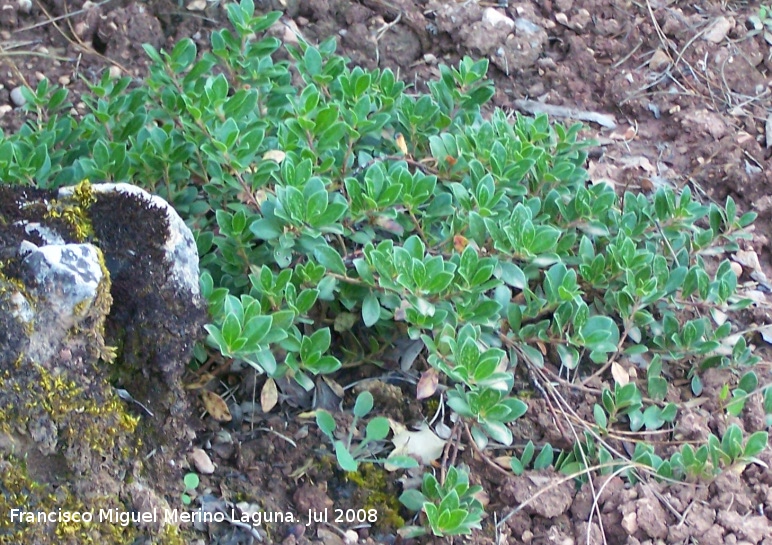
[(98, 291)]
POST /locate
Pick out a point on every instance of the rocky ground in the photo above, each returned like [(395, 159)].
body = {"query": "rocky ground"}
[(675, 94)]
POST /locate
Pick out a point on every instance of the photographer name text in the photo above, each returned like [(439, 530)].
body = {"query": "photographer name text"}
[(177, 516)]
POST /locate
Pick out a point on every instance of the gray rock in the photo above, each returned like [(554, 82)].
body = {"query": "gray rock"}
[(97, 284), (180, 246), (17, 97), (64, 283)]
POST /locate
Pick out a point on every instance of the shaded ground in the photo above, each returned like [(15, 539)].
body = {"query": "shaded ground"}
[(676, 96)]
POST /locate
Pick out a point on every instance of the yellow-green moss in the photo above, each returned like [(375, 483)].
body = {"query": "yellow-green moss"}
[(14, 283), (373, 482), (8, 287), (98, 424), (74, 210), (19, 491), (101, 308)]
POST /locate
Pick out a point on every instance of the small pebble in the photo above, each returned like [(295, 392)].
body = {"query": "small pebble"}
[(4, 109), (659, 61), (201, 461), (81, 28), (196, 5), (494, 17), (115, 72), (17, 97), (718, 30)]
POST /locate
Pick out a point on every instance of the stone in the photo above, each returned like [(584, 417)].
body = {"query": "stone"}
[(494, 17), (17, 97), (201, 461), (179, 246), (74, 274), (659, 61), (718, 30), (98, 286)]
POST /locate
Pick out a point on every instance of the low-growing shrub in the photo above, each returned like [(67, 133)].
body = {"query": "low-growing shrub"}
[(323, 195)]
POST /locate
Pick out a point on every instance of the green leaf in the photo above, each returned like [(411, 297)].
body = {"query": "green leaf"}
[(756, 443), (256, 329), (533, 354), (402, 462), (377, 429), (363, 404), (545, 458), (600, 334), (748, 382), (153, 54), (231, 330), (412, 499), (652, 418), (516, 465), (183, 54), (600, 416), (319, 341), (511, 275), (266, 229), (330, 259), (326, 423), (191, 481), (371, 310), (345, 460), (312, 61), (306, 300)]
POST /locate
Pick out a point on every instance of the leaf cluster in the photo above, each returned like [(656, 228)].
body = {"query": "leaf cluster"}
[(451, 507)]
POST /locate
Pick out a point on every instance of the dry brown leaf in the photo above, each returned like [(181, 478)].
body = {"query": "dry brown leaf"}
[(388, 224), (427, 384), (422, 444), (336, 388), (274, 155), (401, 145), (628, 134), (503, 461), (459, 243), (216, 406), (620, 375), (201, 380), (399, 314), (637, 161), (269, 395)]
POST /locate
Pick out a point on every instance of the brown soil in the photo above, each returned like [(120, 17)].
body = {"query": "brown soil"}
[(676, 94)]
